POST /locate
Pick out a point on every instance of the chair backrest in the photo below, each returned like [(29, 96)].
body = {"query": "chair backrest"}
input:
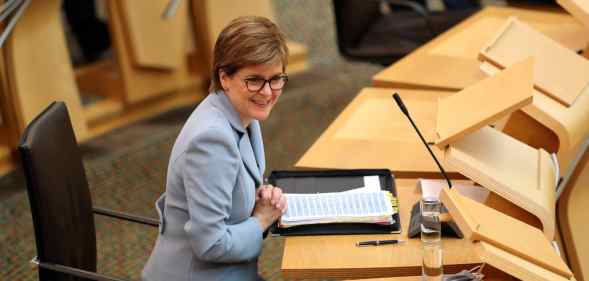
[(352, 20), (367, 32), (59, 197)]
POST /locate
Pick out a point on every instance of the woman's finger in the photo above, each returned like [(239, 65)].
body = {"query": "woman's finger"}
[(265, 193), (276, 195), (283, 204)]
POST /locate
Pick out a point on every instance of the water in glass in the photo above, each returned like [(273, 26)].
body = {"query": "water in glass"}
[(431, 240)]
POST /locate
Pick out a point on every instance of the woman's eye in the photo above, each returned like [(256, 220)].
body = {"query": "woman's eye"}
[(256, 81)]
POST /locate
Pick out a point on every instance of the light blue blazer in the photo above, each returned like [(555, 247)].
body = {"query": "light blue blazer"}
[(207, 232)]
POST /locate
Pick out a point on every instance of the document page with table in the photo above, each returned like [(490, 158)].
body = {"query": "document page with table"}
[(338, 207)]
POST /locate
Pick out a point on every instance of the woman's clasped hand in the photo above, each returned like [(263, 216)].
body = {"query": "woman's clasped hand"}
[(270, 205)]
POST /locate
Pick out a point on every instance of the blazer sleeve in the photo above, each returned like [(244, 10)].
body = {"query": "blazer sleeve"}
[(210, 170)]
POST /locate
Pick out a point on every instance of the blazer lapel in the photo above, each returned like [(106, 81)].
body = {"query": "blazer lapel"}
[(251, 155), (258, 145), (249, 159)]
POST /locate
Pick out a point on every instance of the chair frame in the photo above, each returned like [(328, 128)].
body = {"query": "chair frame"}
[(24, 150)]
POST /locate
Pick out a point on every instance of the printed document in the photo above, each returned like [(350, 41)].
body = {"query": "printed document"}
[(367, 207)]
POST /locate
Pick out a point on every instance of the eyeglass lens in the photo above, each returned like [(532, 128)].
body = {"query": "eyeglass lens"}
[(255, 84)]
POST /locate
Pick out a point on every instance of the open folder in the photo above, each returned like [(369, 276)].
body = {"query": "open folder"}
[(313, 183)]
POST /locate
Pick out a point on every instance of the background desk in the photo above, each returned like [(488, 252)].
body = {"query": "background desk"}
[(338, 257), (449, 62)]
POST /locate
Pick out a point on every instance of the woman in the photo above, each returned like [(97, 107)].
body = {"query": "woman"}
[(215, 209)]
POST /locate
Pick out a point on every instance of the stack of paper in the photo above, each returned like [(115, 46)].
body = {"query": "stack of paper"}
[(339, 207)]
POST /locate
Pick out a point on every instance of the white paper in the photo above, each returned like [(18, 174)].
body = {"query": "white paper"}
[(333, 205), (372, 183)]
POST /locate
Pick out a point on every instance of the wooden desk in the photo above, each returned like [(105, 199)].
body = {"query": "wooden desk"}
[(372, 132), (551, 126), (449, 62), (338, 257)]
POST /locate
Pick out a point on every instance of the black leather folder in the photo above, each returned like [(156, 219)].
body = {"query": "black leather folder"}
[(333, 181)]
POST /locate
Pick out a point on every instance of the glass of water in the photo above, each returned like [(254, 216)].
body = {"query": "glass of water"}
[(431, 240)]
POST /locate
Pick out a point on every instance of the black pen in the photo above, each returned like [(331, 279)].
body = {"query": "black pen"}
[(377, 242)]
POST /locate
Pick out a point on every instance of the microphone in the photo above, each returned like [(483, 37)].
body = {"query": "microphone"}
[(406, 112)]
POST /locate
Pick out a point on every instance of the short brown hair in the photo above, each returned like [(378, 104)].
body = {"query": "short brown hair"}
[(250, 40)]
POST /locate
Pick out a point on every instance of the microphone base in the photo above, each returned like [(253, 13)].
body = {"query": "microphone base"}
[(449, 228)]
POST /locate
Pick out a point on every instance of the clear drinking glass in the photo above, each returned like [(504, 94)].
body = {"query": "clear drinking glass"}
[(431, 240)]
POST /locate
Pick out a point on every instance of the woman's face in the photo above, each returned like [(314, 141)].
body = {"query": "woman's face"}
[(241, 88)]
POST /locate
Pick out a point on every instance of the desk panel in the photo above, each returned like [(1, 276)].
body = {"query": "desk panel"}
[(372, 133), (338, 256)]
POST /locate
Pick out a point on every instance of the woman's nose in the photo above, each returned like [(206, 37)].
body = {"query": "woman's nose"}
[(266, 90)]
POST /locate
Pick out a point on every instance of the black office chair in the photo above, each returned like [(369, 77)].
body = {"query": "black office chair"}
[(61, 205), (366, 32)]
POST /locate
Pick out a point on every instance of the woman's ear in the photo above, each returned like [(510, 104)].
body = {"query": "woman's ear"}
[(224, 79)]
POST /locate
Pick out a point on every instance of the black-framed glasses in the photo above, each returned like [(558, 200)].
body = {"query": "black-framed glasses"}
[(255, 84)]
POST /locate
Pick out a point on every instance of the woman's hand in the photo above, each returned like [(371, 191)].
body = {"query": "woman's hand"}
[(270, 205)]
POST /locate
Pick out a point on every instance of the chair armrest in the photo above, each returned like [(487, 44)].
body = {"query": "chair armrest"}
[(125, 216), (416, 7), (74, 271)]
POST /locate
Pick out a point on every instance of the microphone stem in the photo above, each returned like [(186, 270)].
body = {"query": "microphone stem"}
[(430, 151)]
